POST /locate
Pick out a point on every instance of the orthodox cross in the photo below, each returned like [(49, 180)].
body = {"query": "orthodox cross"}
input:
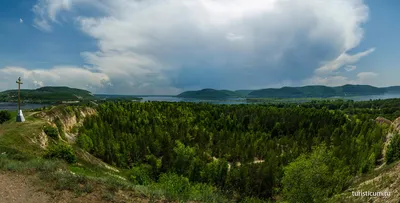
[(19, 82)]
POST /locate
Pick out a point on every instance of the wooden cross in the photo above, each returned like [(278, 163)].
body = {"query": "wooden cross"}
[(19, 82)]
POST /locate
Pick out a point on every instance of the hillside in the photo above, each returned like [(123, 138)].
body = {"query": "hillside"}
[(28, 174), (199, 152), (318, 91), (209, 94), (385, 178), (393, 89), (46, 94), (312, 91)]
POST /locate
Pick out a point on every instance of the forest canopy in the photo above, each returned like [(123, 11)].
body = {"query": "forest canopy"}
[(244, 150)]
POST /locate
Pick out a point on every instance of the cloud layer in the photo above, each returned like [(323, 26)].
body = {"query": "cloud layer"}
[(166, 46)]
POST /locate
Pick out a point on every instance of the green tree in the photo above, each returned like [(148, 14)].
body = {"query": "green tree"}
[(314, 178), (51, 132), (85, 142), (61, 151), (4, 116), (393, 150)]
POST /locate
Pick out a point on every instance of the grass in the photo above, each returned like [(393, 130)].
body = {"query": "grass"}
[(19, 136)]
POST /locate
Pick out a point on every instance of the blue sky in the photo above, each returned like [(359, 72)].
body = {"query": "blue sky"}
[(169, 46)]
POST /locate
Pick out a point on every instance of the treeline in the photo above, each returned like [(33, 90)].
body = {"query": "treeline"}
[(388, 108), (244, 150)]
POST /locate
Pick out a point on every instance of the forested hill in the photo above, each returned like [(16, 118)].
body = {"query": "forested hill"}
[(46, 94), (209, 94), (315, 91)]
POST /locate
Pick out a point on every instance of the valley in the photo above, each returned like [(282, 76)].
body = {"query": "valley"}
[(212, 153)]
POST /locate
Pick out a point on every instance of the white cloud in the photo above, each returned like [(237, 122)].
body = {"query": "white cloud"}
[(168, 45), (329, 80), (46, 11), (367, 77), (341, 60), (349, 68), (233, 37), (57, 76), (362, 78), (21, 21)]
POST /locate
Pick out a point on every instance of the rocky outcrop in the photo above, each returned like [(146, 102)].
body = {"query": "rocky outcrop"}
[(396, 124), (68, 118), (382, 120), (394, 129)]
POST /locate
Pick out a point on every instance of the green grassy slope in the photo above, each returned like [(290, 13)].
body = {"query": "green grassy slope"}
[(23, 138)]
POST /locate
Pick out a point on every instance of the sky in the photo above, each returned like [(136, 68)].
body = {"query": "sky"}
[(170, 46)]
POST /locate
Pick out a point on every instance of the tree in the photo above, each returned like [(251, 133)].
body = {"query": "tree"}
[(314, 178), (85, 142), (393, 150), (4, 116)]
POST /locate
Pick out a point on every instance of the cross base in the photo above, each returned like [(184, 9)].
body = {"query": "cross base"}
[(20, 116)]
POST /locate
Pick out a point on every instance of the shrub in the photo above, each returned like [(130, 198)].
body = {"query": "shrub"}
[(176, 187), (140, 174), (315, 177), (393, 150), (85, 142), (4, 116), (51, 132), (62, 151)]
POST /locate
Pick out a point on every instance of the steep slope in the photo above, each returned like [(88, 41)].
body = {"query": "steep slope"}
[(385, 178), (26, 177), (67, 119)]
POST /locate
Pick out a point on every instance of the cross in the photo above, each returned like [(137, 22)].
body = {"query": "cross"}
[(19, 93)]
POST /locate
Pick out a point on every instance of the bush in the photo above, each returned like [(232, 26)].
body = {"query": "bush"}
[(393, 150), (140, 175), (176, 187), (314, 178), (51, 132), (85, 142), (62, 151), (4, 116)]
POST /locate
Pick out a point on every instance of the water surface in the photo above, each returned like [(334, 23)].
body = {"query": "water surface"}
[(14, 106)]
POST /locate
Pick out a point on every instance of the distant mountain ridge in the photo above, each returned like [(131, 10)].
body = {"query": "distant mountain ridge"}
[(317, 91), (47, 94), (209, 94)]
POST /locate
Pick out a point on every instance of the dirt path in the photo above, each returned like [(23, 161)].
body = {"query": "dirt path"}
[(16, 188)]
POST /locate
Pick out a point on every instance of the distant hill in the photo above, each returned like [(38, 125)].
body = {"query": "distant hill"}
[(209, 94), (318, 91), (47, 94), (393, 89), (312, 91), (243, 93)]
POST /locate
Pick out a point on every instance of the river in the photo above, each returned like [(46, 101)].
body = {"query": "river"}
[(14, 106), (149, 98)]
